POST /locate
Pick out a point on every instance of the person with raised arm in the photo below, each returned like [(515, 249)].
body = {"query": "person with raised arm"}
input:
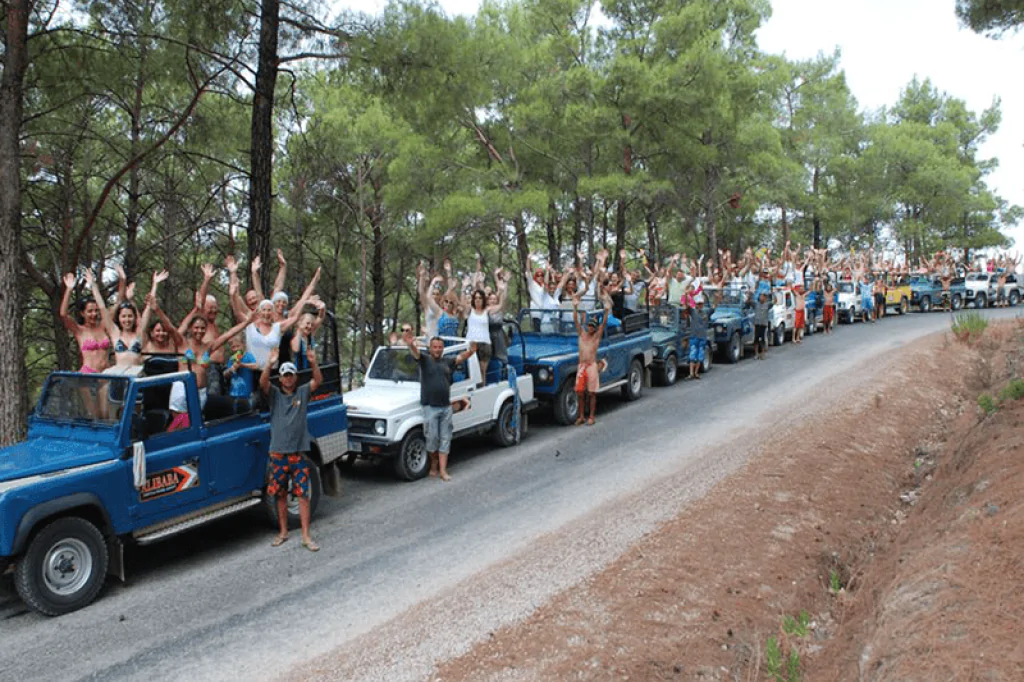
[(436, 398), (588, 373), (289, 442)]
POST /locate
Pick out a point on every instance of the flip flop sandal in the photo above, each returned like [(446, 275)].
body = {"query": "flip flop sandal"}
[(311, 546), (278, 541)]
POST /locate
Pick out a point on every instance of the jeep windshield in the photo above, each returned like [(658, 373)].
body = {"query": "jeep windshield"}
[(846, 288), (557, 321), (395, 364), (87, 399), (664, 316), (977, 277), (733, 297)]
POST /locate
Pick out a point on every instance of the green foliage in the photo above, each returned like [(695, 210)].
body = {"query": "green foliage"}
[(987, 403), (834, 582), (968, 327), (991, 17), (773, 659), (1014, 390), (797, 627), (779, 665)]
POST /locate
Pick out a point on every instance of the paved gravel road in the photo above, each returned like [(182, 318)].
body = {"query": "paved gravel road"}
[(220, 603)]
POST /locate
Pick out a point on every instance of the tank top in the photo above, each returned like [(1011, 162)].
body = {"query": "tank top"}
[(478, 327), (259, 344)]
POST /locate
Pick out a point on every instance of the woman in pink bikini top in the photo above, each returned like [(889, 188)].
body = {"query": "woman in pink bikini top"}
[(91, 336)]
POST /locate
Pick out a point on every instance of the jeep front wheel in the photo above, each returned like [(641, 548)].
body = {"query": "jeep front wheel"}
[(567, 405), (981, 301), (64, 568), (957, 302), (315, 492), (504, 433), (412, 461), (780, 335), (634, 381), (903, 306), (735, 349), (926, 305), (1014, 299), (669, 371)]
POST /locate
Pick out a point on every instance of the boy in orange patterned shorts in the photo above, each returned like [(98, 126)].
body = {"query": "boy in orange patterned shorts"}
[(588, 376)]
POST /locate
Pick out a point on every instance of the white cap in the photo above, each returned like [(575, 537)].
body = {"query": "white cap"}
[(287, 368)]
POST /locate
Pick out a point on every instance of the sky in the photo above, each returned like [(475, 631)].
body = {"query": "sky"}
[(884, 44)]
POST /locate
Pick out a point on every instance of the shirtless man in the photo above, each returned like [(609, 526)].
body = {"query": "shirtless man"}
[(800, 305), (588, 375)]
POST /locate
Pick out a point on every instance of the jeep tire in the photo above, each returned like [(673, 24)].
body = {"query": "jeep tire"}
[(64, 568), (706, 365), (981, 301), (779, 336), (1013, 299), (316, 491), (567, 404), (925, 306), (904, 306), (634, 386), (669, 371), (412, 461), (957, 302), (734, 351), (503, 433)]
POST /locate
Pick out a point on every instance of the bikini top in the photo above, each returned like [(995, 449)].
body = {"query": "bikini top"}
[(120, 347), (191, 357), (93, 344)]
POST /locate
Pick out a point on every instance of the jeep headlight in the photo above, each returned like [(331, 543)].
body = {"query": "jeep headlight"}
[(544, 374), (380, 427)]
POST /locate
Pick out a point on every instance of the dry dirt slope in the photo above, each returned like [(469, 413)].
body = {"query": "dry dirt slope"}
[(906, 498)]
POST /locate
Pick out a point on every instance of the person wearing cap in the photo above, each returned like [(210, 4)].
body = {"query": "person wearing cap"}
[(588, 374), (435, 397), (289, 441)]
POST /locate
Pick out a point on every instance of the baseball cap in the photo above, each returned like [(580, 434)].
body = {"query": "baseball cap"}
[(287, 368)]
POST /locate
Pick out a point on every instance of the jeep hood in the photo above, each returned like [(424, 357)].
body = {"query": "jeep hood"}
[(540, 347), (48, 455), (661, 335), (722, 314), (382, 399)]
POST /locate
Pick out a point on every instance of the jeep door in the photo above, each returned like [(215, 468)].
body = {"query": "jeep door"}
[(177, 469), (464, 386)]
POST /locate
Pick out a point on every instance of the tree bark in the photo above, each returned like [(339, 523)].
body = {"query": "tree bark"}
[(261, 152), (523, 250), (815, 218), (376, 218), (785, 226), (12, 105), (552, 241)]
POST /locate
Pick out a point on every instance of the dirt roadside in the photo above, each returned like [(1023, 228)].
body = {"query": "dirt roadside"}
[(892, 518)]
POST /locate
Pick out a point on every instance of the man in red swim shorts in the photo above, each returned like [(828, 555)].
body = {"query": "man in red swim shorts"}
[(588, 376)]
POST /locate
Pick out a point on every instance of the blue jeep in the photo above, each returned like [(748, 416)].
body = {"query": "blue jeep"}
[(926, 293), (100, 468), (732, 321), (551, 346), (670, 329)]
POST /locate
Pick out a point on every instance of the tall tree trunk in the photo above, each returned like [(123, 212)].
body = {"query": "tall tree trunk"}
[(604, 225), (397, 309), (653, 240), (553, 255), (12, 103), (133, 214), (620, 232), (378, 266), (710, 212), (785, 226), (577, 225), (815, 218), (261, 146), (523, 250), (172, 219)]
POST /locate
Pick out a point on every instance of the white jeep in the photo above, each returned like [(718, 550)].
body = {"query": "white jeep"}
[(848, 305), (783, 316), (386, 418)]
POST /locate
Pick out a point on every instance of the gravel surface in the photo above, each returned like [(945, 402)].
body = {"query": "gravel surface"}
[(411, 574)]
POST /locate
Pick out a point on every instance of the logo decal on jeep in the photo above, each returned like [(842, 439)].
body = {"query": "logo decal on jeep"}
[(170, 481)]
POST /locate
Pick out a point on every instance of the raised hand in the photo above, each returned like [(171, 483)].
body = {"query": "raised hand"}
[(255, 265), (207, 269), (231, 264), (151, 302), (90, 278), (311, 355), (69, 280), (161, 276), (272, 359), (129, 292), (280, 258)]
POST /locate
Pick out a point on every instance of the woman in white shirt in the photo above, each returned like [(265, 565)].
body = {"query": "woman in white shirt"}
[(264, 334), (478, 329)]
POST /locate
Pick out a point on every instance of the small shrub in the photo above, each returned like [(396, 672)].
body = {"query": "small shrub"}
[(773, 659), (986, 403), (797, 627), (1012, 391), (834, 583), (968, 327)]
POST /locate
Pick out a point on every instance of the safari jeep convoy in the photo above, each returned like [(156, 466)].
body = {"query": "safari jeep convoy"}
[(86, 481)]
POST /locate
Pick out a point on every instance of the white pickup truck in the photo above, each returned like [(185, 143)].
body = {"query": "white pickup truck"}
[(783, 316), (386, 418)]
